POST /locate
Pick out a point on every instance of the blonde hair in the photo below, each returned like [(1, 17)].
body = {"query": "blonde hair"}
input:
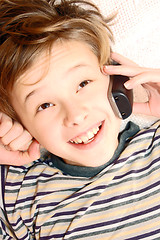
[(28, 27)]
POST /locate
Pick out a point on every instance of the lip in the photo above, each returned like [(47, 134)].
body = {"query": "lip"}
[(91, 144)]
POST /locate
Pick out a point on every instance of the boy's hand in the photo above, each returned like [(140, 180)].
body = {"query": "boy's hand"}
[(149, 78), (16, 144)]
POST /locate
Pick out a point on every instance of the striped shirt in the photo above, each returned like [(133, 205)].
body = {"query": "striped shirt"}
[(119, 201)]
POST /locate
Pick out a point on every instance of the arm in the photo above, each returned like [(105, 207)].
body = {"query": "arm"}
[(149, 78), (16, 144)]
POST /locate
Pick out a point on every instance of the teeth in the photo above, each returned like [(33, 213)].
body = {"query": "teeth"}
[(95, 130), (79, 140), (87, 138), (90, 134), (84, 138)]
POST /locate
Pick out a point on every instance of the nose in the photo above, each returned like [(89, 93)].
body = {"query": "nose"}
[(75, 114)]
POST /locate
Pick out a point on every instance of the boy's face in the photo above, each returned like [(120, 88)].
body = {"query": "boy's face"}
[(63, 103)]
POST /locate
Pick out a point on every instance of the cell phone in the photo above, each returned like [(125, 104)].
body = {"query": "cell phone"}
[(121, 98)]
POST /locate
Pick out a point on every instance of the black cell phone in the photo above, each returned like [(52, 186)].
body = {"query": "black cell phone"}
[(122, 97)]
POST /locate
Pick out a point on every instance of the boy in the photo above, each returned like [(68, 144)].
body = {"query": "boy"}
[(95, 183)]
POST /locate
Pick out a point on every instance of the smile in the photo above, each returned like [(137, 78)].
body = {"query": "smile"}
[(87, 137)]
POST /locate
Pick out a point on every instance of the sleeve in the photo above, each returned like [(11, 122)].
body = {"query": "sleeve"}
[(5, 230)]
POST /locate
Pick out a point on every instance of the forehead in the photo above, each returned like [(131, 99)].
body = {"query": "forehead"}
[(63, 56)]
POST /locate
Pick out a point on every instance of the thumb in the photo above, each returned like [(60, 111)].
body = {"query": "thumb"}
[(32, 154), (34, 150)]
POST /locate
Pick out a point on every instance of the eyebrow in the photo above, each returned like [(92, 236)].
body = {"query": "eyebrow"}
[(29, 95), (76, 66), (67, 72)]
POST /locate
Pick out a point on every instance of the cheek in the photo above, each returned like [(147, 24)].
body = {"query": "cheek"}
[(45, 132), (103, 99)]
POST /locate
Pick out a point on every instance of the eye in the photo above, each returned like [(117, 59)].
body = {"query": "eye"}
[(44, 106), (83, 84)]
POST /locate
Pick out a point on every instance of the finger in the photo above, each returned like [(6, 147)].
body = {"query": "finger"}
[(32, 154), (22, 142), (24, 147), (147, 76), (5, 124), (123, 70), (18, 158), (122, 60), (12, 134)]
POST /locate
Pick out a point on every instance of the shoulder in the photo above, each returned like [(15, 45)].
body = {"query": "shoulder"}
[(148, 136), (145, 144)]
